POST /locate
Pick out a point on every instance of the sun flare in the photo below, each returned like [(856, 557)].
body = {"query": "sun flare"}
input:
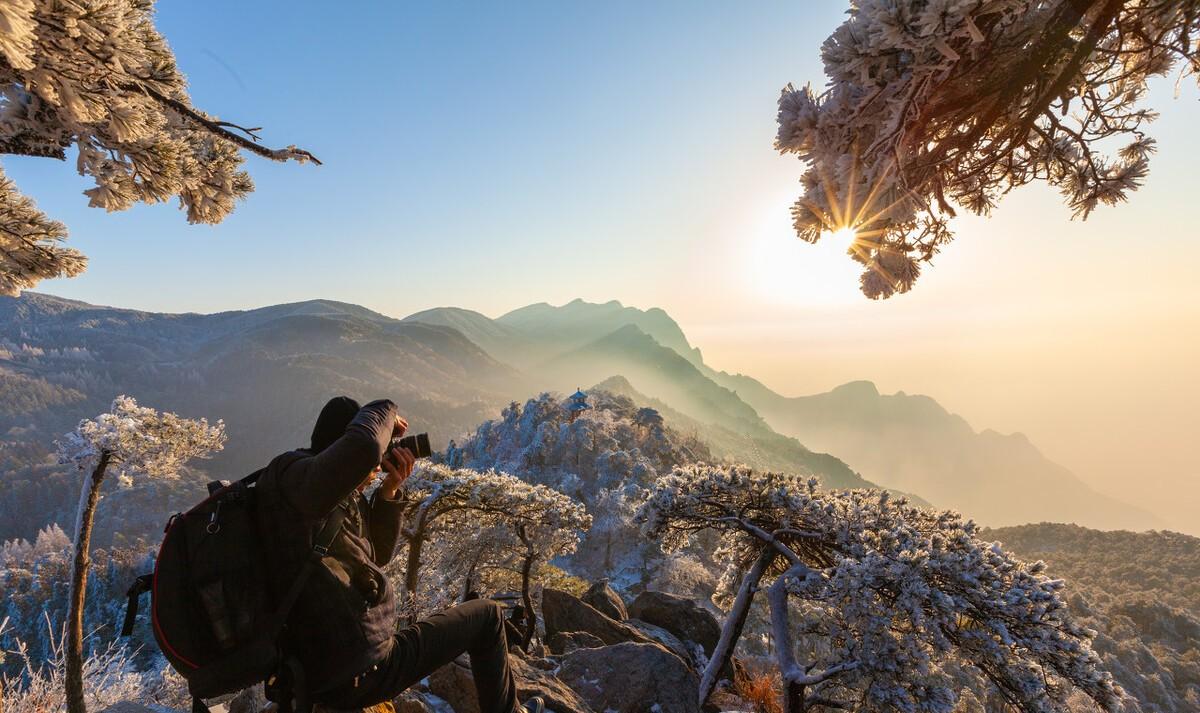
[(842, 237), (782, 269)]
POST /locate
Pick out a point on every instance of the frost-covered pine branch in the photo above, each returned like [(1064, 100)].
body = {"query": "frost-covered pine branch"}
[(936, 103), (887, 599), (128, 441), (96, 76)]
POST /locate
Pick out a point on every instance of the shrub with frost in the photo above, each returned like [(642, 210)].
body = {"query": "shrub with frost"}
[(108, 677)]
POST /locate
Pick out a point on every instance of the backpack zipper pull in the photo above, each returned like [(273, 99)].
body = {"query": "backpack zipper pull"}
[(213, 526)]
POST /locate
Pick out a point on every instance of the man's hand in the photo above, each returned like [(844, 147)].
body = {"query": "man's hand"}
[(399, 427), (398, 464)]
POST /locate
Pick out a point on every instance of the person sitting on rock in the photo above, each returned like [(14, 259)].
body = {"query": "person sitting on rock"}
[(342, 628)]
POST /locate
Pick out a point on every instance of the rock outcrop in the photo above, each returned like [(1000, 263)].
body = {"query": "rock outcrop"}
[(673, 643), (565, 613), (631, 678), (682, 617), (605, 600), (564, 642), (454, 684), (644, 663)]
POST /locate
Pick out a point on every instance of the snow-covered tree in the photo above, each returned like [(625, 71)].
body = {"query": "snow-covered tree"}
[(648, 418), (128, 441), (606, 456), (484, 519), (604, 447), (883, 601), (35, 578), (939, 102), (97, 76)]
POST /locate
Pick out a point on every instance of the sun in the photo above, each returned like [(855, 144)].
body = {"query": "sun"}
[(781, 269), (842, 237)]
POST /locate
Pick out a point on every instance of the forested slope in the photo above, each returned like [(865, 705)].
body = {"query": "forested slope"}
[(1140, 592)]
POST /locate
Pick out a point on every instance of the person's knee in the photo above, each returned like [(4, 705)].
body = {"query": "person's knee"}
[(485, 619), (484, 610), (495, 612)]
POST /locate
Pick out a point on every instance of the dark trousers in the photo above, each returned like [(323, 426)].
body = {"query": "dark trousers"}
[(475, 627)]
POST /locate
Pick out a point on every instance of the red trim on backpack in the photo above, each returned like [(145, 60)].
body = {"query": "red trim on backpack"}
[(154, 602)]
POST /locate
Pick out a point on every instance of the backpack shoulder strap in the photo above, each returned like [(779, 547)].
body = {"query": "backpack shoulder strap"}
[(321, 544), (141, 585), (325, 536)]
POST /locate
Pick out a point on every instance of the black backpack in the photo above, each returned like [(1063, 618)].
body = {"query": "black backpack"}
[(211, 607)]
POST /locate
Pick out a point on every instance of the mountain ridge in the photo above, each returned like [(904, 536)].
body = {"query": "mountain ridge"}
[(904, 441), (443, 359)]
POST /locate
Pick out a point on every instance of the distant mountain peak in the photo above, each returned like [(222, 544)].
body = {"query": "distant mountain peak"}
[(579, 322), (628, 332), (580, 302), (616, 384), (861, 388)]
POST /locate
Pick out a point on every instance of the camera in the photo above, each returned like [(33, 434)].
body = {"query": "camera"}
[(417, 444)]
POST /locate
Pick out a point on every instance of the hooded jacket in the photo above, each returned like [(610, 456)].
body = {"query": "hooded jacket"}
[(344, 619)]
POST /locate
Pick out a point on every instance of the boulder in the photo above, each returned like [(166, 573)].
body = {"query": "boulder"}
[(672, 642), (605, 600), (680, 616), (454, 684), (565, 613), (402, 704), (564, 642), (534, 680), (631, 678), (248, 700), (123, 707), (415, 702)]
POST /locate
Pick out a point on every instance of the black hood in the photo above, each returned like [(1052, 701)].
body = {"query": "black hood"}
[(332, 422)]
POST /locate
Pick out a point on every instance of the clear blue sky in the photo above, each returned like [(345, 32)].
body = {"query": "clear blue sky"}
[(493, 155), (472, 147)]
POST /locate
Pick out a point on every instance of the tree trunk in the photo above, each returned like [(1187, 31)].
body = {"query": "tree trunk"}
[(777, 594), (527, 600), (793, 698), (731, 631), (411, 569), (89, 496)]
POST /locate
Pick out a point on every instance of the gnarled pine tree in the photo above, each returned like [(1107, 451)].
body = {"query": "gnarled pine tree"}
[(874, 602)]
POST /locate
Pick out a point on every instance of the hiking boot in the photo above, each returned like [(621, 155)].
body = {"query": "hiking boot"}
[(534, 705)]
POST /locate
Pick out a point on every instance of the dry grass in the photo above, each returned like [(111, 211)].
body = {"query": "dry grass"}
[(759, 686)]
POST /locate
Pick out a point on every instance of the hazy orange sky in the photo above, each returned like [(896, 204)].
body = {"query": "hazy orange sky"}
[(490, 157)]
